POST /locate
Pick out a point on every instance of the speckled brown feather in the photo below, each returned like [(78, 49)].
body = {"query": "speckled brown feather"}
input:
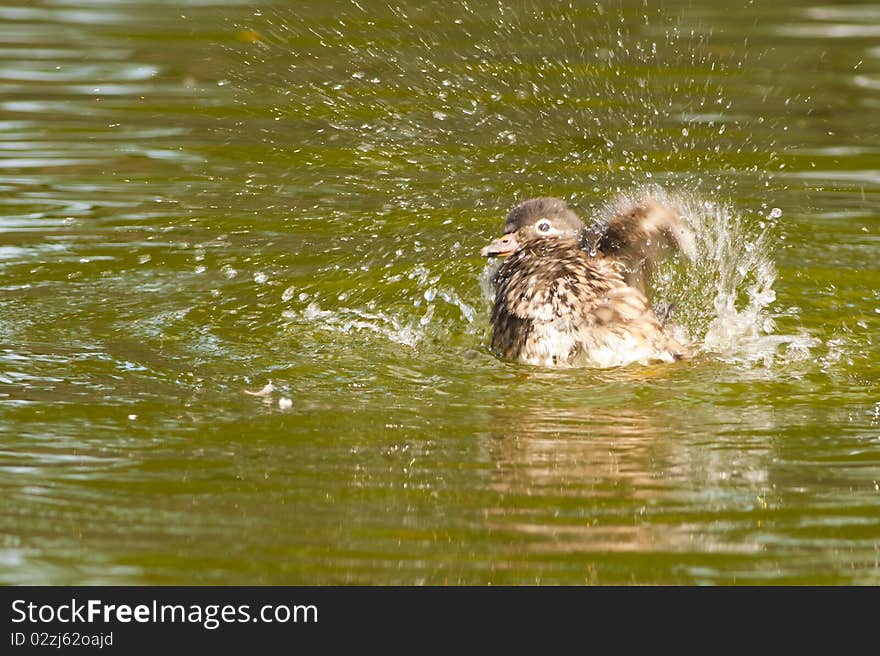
[(557, 306)]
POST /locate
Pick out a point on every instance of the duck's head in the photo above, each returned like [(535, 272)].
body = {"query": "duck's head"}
[(538, 218)]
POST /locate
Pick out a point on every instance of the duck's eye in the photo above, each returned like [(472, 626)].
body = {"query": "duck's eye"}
[(543, 226)]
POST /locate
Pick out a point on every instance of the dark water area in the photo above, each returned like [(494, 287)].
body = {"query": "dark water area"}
[(200, 199)]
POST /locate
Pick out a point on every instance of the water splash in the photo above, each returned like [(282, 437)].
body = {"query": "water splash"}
[(348, 320), (606, 107), (425, 306), (723, 298)]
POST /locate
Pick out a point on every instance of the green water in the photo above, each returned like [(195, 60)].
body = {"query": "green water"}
[(199, 198)]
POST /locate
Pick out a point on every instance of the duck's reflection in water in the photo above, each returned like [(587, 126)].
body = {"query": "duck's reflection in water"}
[(591, 479)]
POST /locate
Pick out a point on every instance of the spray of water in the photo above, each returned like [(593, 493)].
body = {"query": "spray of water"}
[(723, 297), (527, 98)]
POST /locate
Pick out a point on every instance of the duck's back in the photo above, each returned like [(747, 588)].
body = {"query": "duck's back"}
[(557, 306)]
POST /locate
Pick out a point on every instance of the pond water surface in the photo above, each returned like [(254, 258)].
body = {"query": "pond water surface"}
[(198, 199)]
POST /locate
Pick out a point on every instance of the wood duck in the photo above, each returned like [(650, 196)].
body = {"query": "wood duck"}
[(570, 296)]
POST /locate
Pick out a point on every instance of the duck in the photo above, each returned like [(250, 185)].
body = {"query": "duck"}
[(567, 295)]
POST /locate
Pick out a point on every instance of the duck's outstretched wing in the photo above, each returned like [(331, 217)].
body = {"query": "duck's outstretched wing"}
[(637, 233)]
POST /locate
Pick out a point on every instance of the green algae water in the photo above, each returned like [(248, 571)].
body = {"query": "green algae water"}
[(244, 324)]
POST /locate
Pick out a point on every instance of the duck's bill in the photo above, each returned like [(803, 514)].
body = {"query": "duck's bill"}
[(502, 246)]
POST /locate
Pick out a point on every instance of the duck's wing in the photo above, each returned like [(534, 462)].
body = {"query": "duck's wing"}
[(637, 233)]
